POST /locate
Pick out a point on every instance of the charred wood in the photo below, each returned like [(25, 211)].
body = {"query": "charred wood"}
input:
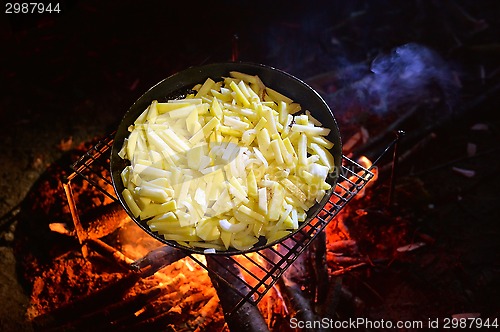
[(343, 246), (106, 309), (319, 268), (350, 303), (305, 283), (295, 300), (153, 323), (73, 311), (343, 270), (247, 317), (328, 307), (105, 317), (157, 259), (342, 260), (80, 232)]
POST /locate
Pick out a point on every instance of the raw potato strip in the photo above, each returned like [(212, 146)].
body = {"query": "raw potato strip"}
[(225, 165)]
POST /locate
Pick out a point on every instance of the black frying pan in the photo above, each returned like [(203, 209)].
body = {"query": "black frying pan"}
[(180, 84)]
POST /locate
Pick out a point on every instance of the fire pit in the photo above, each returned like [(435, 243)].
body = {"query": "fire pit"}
[(260, 270), (155, 285)]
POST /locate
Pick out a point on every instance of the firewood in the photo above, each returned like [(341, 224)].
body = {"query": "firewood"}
[(103, 306), (305, 282), (350, 301), (205, 312), (343, 270), (410, 247), (108, 251), (72, 311), (342, 260), (157, 259), (317, 254), (295, 299), (247, 317), (60, 228), (181, 298), (468, 173), (349, 246), (200, 296), (351, 142), (332, 297), (104, 220), (80, 232), (105, 317)]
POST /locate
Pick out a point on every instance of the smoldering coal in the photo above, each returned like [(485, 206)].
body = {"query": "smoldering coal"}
[(409, 74)]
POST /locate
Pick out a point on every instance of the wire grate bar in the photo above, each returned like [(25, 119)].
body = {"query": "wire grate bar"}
[(258, 265), (251, 275), (338, 196), (262, 256), (93, 166)]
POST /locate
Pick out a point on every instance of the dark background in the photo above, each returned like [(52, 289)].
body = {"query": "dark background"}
[(69, 77)]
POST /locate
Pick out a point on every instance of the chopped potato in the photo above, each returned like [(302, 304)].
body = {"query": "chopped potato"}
[(224, 166)]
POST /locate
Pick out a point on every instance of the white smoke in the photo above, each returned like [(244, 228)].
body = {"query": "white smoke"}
[(409, 74)]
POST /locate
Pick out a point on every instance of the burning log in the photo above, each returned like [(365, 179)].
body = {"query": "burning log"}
[(247, 317), (126, 305), (101, 222), (360, 137), (206, 311), (343, 245), (295, 299), (157, 259), (104, 220), (163, 312), (108, 251), (80, 232)]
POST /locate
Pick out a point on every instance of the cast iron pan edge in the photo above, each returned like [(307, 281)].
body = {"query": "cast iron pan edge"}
[(180, 83)]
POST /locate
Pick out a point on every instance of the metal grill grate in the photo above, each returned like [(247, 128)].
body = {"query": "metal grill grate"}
[(260, 269), (94, 166)]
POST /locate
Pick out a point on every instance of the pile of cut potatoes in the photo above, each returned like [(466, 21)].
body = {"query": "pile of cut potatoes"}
[(225, 165)]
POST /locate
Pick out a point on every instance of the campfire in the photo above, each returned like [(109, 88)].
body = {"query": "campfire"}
[(415, 239), (110, 274), (106, 272)]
